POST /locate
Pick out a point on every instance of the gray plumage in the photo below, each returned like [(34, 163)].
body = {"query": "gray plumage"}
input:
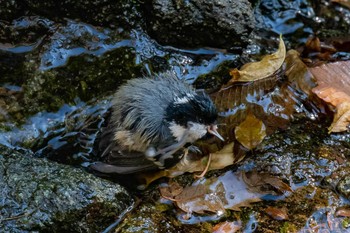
[(152, 120), (139, 116)]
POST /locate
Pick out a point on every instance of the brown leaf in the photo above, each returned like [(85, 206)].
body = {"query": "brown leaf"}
[(191, 192), (276, 213), (345, 3), (298, 73), (198, 199), (171, 191), (313, 44), (200, 205), (227, 227), (343, 212), (265, 68), (219, 160), (250, 132), (228, 191), (256, 181), (341, 118), (334, 88)]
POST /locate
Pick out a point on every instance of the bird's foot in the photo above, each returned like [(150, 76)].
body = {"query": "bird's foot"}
[(205, 169)]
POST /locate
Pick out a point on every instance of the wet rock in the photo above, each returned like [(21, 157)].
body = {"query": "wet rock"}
[(344, 187), (10, 9), (158, 218), (37, 195), (221, 24), (107, 13)]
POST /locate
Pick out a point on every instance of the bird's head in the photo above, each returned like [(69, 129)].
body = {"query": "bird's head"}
[(192, 116)]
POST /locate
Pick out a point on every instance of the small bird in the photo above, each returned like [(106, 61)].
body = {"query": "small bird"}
[(152, 122)]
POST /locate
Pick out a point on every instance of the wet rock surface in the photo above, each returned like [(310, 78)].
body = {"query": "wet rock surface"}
[(221, 24), (61, 61), (95, 12), (38, 196), (314, 163)]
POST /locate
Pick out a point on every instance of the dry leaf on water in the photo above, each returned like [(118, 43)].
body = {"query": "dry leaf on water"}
[(227, 227), (343, 212), (219, 160), (214, 195), (228, 191), (277, 213), (250, 132), (194, 199), (298, 73), (333, 81), (265, 68), (256, 182)]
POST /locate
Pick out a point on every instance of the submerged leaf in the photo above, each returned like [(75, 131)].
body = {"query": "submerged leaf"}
[(215, 195), (171, 191), (265, 68), (194, 199), (250, 132), (257, 182)]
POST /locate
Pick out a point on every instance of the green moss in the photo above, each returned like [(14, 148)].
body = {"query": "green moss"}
[(288, 227), (346, 223), (85, 77)]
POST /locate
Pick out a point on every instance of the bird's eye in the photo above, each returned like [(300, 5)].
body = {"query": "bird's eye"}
[(190, 124)]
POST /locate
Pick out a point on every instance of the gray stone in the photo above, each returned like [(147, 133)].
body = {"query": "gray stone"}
[(39, 195), (221, 24)]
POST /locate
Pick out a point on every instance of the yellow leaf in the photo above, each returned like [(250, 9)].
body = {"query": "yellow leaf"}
[(265, 68), (341, 118), (250, 132), (219, 160)]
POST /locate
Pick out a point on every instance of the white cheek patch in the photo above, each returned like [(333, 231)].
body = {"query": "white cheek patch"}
[(193, 133), (196, 131), (177, 131)]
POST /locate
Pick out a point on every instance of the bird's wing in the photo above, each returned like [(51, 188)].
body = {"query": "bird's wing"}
[(114, 160)]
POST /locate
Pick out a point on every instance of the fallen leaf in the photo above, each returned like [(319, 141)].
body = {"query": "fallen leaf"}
[(234, 191), (213, 195), (333, 87), (341, 118), (343, 212), (345, 3), (171, 191), (227, 227), (277, 213), (200, 205), (195, 199), (251, 132), (265, 68), (191, 192), (219, 160), (257, 182), (313, 44), (298, 73)]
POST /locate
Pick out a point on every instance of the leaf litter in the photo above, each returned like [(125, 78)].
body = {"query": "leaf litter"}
[(232, 191)]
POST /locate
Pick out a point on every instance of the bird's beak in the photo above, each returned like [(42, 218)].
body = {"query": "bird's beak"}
[(212, 129)]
